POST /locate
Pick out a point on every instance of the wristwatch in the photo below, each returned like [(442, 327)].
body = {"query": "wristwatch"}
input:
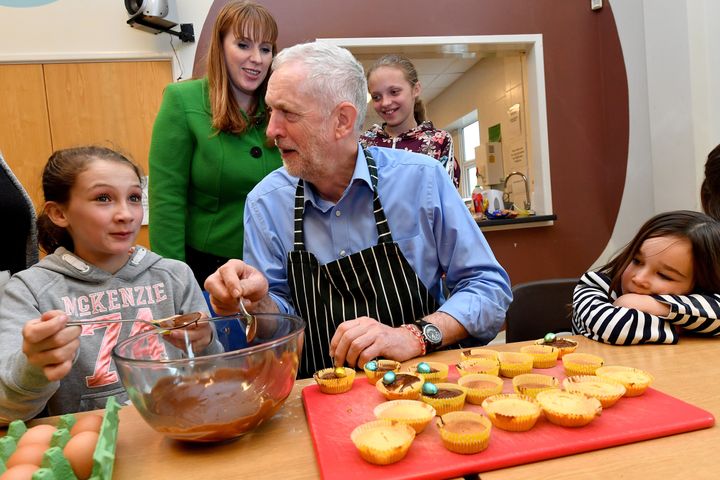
[(432, 335)]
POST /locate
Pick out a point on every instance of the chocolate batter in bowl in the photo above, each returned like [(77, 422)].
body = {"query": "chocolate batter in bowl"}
[(220, 393)]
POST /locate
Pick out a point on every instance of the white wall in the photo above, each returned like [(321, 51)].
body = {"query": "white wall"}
[(671, 58), (68, 30)]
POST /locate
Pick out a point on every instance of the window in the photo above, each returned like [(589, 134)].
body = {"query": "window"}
[(469, 139)]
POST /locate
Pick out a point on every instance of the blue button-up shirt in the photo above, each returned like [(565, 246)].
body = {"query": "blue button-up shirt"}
[(428, 220)]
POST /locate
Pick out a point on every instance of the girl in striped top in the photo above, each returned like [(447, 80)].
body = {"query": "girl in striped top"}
[(662, 283)]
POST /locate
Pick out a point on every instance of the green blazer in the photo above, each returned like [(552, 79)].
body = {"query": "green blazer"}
[(199, 179)]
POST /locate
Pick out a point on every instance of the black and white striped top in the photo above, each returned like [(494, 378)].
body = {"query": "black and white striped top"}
[(595, 316)]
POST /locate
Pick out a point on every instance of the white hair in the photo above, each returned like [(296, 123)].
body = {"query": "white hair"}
[(333, 75)]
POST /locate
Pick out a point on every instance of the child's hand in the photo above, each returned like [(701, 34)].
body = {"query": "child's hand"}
[(198, 334), (49, 345), (644, 303)]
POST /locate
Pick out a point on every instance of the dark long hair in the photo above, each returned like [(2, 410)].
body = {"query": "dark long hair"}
[(701, 230), (710, 189), (406, 66), (58, 178)]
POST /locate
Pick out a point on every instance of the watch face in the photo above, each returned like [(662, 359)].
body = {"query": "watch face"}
[(433, 334)]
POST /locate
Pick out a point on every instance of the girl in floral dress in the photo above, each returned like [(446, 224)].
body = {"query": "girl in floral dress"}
[(395, 91)]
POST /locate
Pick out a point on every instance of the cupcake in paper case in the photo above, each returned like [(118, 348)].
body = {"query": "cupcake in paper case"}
[(544, 356), (400, 386), (634, 380), (512, 412), (515, 363), (490, 366), (444, 397), (581, 364), (479, 386), (434, 372), (531, 384), (383, 441), (335, 380), (568, 409), (464, 432), (415, 413), (478, 353), (564, 345), (375, 369), (605, 390)]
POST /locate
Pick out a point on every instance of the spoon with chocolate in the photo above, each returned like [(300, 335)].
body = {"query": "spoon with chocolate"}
[(168, 323)]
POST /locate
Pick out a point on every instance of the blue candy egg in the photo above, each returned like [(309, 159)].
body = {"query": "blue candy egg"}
[(389, 378), (371, 365), (423, 367), (429, 389)]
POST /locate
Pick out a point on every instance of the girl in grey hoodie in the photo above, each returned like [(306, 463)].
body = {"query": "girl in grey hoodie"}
[(92, 215)]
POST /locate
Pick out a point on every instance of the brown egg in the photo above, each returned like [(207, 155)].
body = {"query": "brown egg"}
[(19, 472), (31, 454), (40, 434), (87, 423), (79, 452)]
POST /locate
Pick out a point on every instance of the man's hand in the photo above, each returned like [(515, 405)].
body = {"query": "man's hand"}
[(358, 341), (233, 282), (644, 303), (49, 345)]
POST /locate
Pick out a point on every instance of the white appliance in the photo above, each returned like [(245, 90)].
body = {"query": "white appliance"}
[(495, 200), (154, 16), (495, 168)]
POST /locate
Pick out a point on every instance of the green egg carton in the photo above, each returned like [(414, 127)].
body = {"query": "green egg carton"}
[(54, 464)]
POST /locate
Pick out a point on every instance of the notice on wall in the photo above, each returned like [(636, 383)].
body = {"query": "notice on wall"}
[(513, 124), (518, 154)]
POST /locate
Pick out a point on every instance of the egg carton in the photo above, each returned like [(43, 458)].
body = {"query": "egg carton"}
[(54, 465)]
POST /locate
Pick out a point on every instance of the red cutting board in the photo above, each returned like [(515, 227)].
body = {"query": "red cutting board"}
[(331, 418)]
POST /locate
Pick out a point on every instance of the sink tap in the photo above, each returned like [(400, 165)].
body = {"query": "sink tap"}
[(527, 187)]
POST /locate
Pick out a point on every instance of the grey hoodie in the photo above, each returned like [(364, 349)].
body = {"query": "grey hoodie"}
[(147, 286)]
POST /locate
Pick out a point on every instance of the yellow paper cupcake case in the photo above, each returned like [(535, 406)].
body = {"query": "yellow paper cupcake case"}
[(581, 364), (476, 395), (469, 441), (490, 366), (374, 375), (513, 364), (512, 412), (445, 405), (544, 356), (605, 390), (334, 385), (568, 409), (440, 375), (414, 413), (383, 442)]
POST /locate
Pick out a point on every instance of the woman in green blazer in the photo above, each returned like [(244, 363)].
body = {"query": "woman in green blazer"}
[(209, 148)]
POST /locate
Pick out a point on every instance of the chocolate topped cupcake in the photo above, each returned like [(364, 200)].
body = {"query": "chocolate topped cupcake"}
[(444, 397), (401, 385)]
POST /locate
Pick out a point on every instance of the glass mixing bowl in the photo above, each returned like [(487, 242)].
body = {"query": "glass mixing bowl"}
[(224, 391)]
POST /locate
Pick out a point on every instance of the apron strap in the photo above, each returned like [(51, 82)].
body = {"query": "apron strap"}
[(381, 223)]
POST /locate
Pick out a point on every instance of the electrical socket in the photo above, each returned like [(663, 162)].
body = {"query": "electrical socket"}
[(595, 4)]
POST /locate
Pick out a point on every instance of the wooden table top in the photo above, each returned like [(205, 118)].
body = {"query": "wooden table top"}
[(283, 448)]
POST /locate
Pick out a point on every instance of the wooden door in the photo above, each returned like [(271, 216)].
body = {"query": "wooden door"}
[(24, 125), (62, 105)]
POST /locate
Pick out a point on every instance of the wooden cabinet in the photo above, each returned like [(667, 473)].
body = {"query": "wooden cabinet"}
[(58, 105)]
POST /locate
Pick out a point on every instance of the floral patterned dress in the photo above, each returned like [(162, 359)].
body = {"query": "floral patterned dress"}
[(424, 138)]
